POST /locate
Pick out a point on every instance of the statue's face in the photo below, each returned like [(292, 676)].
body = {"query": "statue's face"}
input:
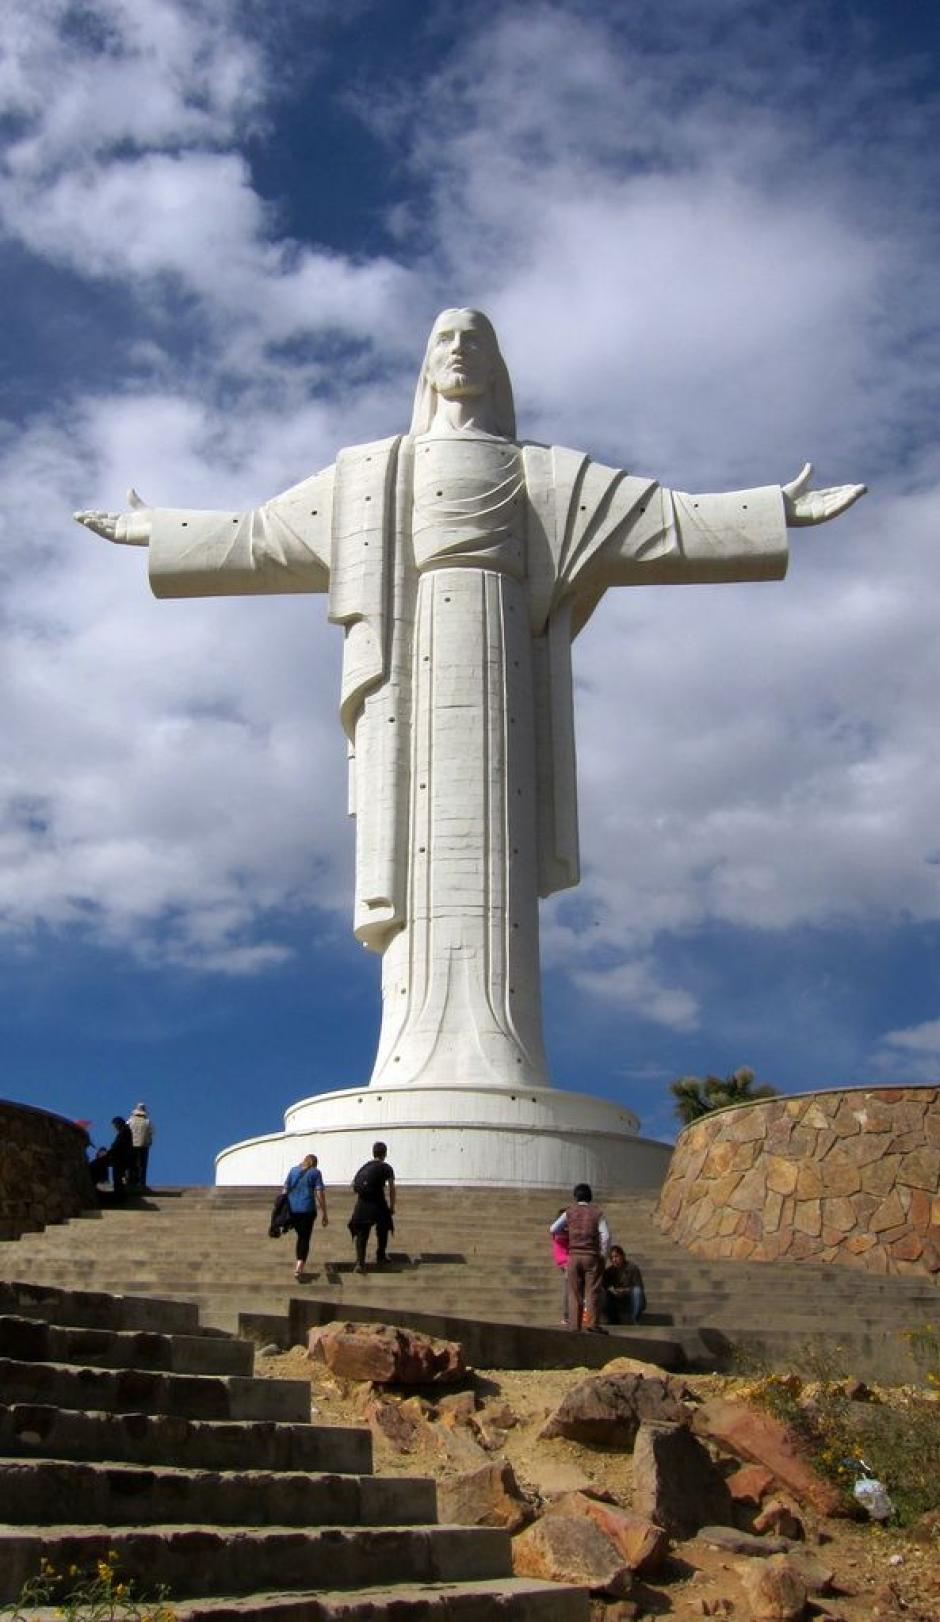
[(461, 356)]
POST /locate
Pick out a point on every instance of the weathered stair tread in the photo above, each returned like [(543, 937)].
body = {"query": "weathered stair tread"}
[(30, 1338), (30, 1298), (524, 1599), (41, 1430), (49, 1491), (209, 1396), (196, 1561), (517, 1599)]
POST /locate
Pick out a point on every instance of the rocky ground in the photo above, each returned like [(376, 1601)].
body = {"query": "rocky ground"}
[(465, 1433)]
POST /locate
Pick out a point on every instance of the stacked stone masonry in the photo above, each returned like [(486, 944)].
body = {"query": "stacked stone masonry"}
[(43, 1174), (851, 1176)]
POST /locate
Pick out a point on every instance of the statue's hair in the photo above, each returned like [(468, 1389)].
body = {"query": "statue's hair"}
[(502, 411)]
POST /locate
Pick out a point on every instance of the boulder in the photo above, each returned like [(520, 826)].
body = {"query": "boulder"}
[(490, 1496), (386, 1354), (571, 1549), (775, 1590), (758, 1438), (609, 1408), (675, 1482), (643, 1544)]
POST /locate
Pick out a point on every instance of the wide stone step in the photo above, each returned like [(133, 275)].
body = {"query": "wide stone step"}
[(29, 1339), (199, 1396), (192, 1561), (510, 1599), (96, 1308), (159, 1265), (47, 1491), (33, 1430)]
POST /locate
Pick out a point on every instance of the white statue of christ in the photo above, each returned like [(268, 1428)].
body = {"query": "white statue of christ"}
[(461, 563)]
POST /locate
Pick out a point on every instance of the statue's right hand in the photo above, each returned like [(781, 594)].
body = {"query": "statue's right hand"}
[(126, 529)]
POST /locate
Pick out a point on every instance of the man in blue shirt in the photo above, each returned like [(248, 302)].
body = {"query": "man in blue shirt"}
[(305, 1195)]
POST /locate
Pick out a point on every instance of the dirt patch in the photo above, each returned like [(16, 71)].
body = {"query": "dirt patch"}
[(879, 1572)]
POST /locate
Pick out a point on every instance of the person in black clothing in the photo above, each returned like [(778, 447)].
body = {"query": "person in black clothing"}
[(373, 1209), (120, 1155)]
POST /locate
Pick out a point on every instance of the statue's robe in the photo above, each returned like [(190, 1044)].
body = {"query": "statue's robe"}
[(580, 528)]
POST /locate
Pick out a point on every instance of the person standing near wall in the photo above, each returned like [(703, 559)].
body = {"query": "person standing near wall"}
[(306, 1195), (142, 1135), (120, 1155)]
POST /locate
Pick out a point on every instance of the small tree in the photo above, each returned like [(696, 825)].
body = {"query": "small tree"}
[(695, 1097)]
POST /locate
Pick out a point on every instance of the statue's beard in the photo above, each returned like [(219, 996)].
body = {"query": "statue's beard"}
[(458, 385)]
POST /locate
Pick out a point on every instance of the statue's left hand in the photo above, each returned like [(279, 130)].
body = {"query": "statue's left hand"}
[(805, 506)]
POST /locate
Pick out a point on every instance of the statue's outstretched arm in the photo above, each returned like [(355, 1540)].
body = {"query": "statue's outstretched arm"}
[(805, 506), (282, 546)]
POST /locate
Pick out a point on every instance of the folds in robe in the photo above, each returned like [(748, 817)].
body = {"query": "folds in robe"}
[(348, 530)]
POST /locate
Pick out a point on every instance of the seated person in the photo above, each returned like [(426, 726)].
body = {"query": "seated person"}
[(99, 1165), (624, 1296)]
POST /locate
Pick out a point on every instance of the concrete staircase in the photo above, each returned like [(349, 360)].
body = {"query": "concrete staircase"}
[(126, 1427), (475, 1259)]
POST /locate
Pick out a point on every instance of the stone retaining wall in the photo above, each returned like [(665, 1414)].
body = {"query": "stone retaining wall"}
[(43, 1175), (851, 1176)]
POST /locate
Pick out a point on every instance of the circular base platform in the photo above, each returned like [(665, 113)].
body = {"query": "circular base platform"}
[(463, 1135)]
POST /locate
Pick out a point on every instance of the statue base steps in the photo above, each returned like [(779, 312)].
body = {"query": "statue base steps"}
[(458, 1135)]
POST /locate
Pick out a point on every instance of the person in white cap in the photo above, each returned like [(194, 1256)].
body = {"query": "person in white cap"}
[(142, 1134)]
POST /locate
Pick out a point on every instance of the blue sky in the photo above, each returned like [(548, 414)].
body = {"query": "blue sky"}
[(708, 238)]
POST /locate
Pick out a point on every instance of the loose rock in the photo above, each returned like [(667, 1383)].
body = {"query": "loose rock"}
[(386, 1354), (456, 1407), (780, 1519), (571, 1549), (644, 1545), (750, 1484), (389, 1419), (760, 1439), (675, 1482), (609, 1408), (490, 1496), (775, 1590), (725, 1537)]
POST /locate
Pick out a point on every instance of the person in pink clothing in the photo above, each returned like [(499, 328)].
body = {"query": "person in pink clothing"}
[(560, 1258)]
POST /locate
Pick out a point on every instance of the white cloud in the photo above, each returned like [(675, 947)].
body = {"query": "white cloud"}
[(911, 1054), (635, 986), (923, 1038), (83, 81)]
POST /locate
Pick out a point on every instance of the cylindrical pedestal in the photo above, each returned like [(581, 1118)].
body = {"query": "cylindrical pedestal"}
[(461, 1135)]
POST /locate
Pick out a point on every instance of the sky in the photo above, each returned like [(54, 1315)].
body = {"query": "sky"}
[(707, 237)]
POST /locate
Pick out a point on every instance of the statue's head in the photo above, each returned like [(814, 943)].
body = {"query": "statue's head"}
[(463, 361)]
